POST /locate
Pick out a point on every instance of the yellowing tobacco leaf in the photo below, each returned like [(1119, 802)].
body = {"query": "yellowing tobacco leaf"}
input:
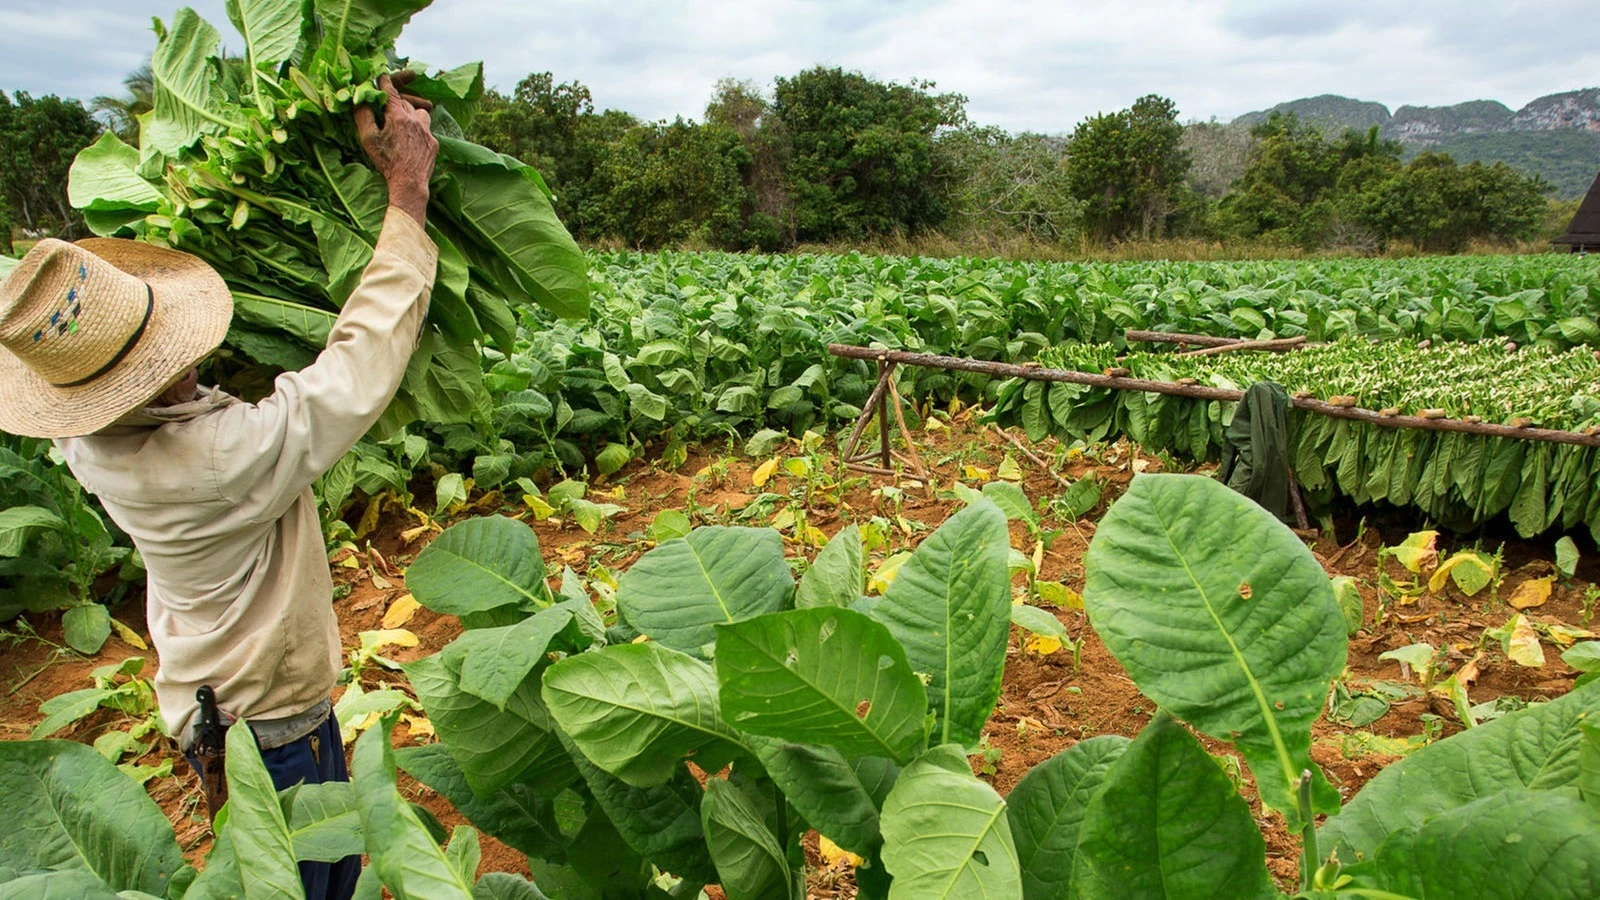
[(836, 856), (1059, 595), (377, 640), (400, 611), (1418, 552), (880, 579), (1470, 570), (764, 472), (537, 505), (1520, 641), (1565, 635), (419, 726), (1009, 470), (1531, 593), (976, 473), (128, 635), (797, 466), (1041, 644), (369, 519)]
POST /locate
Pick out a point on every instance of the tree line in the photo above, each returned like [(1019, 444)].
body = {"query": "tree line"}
[(829, 156)]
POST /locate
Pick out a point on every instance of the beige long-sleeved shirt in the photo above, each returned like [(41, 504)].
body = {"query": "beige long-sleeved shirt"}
[(216, 494)]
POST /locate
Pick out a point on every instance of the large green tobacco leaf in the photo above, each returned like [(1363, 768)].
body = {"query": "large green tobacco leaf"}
[(1167, 823), (661, 823), (749, 859), (518, 815), (494, 745), (945, 833), (271, 29), (825, 789), (480, 567), (305, 323), (1046, 810), (187, 92), (496, 661), (950, 607), (324, 821), (835, 578), (1223, 617), (71, 884), (637, 710), (405, 856), (1518, 845), (362, 26), (103, 177), (822, 676), (678, 592), (511, 214), (1536, 748), (71, 809), (262, 844)]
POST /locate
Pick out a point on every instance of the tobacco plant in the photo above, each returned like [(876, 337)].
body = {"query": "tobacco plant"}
[(1222, 617), (797, 705)]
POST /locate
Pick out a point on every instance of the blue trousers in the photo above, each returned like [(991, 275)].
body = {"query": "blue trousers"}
[(314, 759)]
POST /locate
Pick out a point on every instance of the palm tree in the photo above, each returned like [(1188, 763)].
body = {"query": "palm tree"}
[(121, 114)]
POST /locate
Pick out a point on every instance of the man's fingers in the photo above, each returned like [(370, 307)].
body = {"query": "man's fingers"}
[(366, 123), (402, 78), (426, 119), (418, 102)]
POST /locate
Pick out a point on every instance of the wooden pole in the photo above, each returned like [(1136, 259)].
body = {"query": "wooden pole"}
[(1168, 337), (1203, 392), (1277, 345)]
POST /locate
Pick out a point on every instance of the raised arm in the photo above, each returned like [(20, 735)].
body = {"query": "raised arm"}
[(275, 449)]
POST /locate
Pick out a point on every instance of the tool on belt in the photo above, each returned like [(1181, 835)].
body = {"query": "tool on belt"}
[(210, 748)]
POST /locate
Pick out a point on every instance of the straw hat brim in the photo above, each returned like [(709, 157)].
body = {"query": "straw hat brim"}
[(192, 310)]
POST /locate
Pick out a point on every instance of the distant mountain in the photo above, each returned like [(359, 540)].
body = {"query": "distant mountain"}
[(1556, 136), (1326, 110)]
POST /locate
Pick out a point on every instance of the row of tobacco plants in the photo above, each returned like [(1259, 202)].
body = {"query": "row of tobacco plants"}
[(693, 734)]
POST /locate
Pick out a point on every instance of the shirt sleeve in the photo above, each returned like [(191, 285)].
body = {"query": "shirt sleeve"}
[(271, 451)]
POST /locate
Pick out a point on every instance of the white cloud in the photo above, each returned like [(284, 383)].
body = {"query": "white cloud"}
[(1030, 64)]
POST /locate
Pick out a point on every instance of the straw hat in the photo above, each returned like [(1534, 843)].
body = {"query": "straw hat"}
[(94, 330)]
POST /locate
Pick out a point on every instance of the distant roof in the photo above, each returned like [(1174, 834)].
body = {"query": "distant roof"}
[(1585, 225)]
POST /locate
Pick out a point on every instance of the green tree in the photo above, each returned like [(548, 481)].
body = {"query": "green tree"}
[(1128, 168), (553, 127), (863, 152), (662, 184), (1440, 206), (1298, 184), (38, 140)]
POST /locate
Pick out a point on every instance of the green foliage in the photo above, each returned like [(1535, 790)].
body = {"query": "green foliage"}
[(54, 543), (38, 138), (1128, 168), (813, 735), (1217, 643), (254, 165), (862, 152)]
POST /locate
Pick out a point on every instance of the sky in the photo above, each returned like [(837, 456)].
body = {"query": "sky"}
[(1030, 65)]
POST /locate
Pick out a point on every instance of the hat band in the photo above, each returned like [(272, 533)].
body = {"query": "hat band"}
[(133, 340)]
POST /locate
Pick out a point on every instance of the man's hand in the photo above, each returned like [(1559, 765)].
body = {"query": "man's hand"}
[(402, 150)]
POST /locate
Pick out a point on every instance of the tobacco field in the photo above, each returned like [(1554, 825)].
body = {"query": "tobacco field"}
[(621, 622), (637, 696)]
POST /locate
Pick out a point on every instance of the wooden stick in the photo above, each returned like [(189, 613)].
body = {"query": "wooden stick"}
[(1168, 337), (1008, 370), (1277, 345)]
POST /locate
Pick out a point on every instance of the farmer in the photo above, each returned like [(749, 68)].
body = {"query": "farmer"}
[(101, 339)]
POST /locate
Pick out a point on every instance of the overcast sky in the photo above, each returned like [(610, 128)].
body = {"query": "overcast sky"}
[(1030, 65)]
